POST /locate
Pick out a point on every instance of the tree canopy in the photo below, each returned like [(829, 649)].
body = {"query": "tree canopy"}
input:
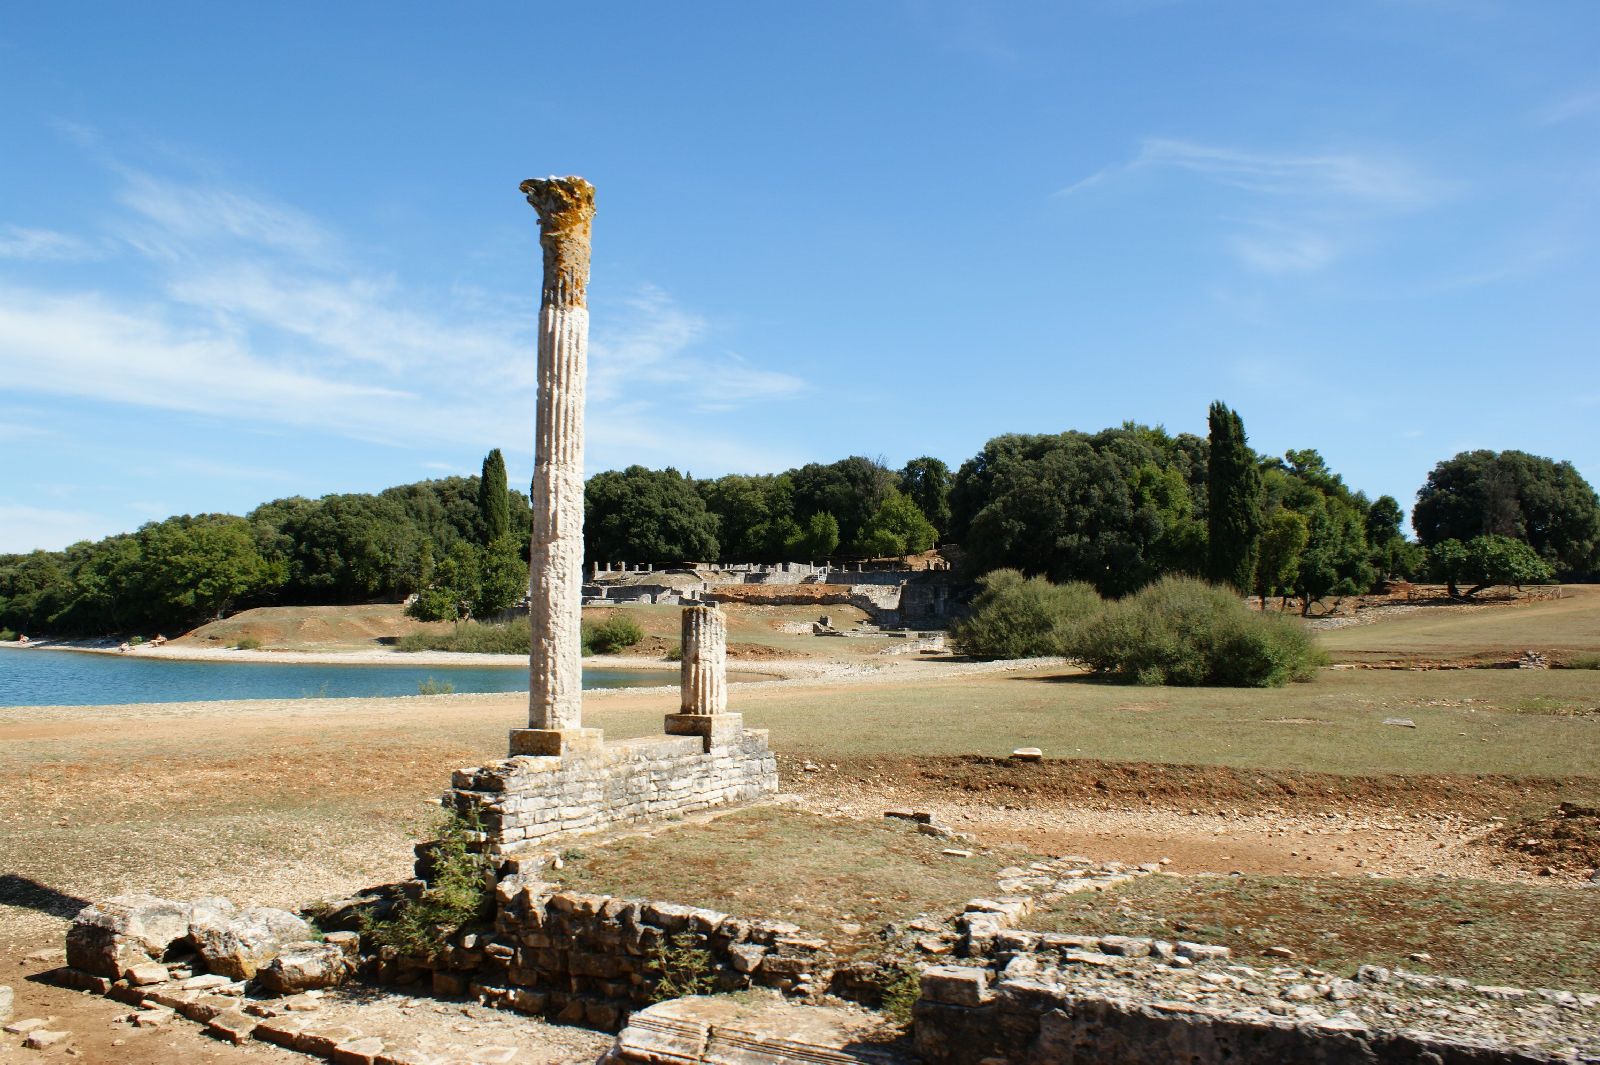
[(1544, 503), (644, 515)]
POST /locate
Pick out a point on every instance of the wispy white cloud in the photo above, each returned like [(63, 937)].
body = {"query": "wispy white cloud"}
[(1343, 175), (44, 245), (1298, 210), (258, 312), (653, 344)]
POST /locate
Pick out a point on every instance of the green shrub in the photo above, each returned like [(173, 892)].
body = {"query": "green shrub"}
[(616, 633), (674, 653), (1582, 662), (473, 637), (1181, 631), (460, 892), (1023, 617), (435, 687), (681, 967), (900, 993), (7, 636), (248, 643)]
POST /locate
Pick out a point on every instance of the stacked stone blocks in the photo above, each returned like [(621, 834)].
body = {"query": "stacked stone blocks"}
[(522, 802)]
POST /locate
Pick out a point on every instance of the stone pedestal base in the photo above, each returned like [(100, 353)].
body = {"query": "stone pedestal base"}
[(556, 742), (718, 730), (523, 804)]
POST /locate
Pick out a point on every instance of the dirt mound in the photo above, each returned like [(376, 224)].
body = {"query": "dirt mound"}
[(1096, 784), (1567, 839), (309, 627), (760, 651)]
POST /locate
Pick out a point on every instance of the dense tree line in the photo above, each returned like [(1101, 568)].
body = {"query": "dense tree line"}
[(174, 574), (1117, 509)]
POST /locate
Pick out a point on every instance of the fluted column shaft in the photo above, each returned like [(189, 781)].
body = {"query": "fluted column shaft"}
[(704, 669), (555, 573)]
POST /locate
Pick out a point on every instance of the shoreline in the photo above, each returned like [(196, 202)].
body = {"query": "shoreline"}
[(361, 657)]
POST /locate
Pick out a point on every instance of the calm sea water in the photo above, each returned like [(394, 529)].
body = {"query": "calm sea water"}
[(64, 678)]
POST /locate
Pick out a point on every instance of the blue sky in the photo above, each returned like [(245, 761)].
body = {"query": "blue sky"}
[(256, 251)]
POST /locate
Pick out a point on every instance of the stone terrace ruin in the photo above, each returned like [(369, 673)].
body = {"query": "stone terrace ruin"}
[(562, 777)]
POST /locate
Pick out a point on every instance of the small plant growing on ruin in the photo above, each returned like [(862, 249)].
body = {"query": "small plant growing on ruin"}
[(900, 991), (681, 968), (459, 893), (432, 686)]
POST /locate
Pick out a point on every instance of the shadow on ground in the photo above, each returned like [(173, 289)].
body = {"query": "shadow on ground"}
[(29, 894)]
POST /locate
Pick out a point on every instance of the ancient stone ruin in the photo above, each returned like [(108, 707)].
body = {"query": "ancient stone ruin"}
[(562, 777)]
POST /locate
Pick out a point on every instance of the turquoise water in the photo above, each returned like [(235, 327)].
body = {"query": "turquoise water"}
[(35, 677)]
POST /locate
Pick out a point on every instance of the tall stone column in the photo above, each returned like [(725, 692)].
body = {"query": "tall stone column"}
[(555, 573), (704, 671)]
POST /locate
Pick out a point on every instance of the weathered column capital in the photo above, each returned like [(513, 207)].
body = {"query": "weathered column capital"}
[(566, 212)]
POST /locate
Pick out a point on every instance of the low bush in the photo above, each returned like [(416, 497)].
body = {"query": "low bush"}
[(616, 633), (1181, 631), (459, 892), (248, 643), (510, 638), (7, 636), (1023, 617), (681, 967), (432, 686)]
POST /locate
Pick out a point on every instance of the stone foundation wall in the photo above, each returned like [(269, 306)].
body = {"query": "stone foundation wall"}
[(522, 802), (1030, 1022), (593, 959)]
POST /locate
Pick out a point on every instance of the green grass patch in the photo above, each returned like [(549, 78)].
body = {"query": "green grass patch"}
[(1523, 935), (818, 872), (1468, 721), (472, 637)]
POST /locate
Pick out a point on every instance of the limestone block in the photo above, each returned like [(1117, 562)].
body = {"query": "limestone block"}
[(238, 946), (107, 938), (145, 973), (556, 742), (234, 1026), (956, 985), (303, 967)]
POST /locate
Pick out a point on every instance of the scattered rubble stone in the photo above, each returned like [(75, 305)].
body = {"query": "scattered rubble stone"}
[(40, 1038), (305, 966)]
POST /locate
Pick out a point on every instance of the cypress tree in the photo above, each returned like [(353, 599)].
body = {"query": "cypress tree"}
[(1234, 492), (494, 505)]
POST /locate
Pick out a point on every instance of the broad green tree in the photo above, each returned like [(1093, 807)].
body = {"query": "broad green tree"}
[(1283, 542), (897, 527), (1544, 503), (1486, 561), (643, 515)]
